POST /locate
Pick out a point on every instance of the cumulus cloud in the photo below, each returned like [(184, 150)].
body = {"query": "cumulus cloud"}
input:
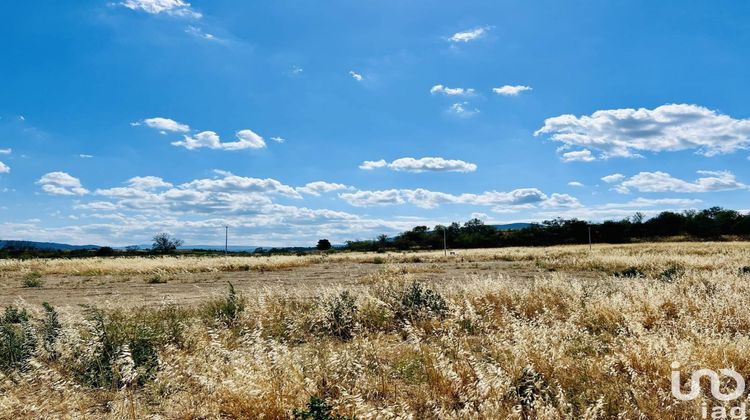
[(448, 91), (425, 164), (578, 156), (61, 183), (356, 76), (609, 179), (164, 125), (509, 90), (155, 7), (627, 132), (369, 165), (462, 109), (663, 182), (423, 198), (6, 151), (469, 35), (321, 187), (4, 169), (278, 139), (148, 182), (575, 184), (246, 139)]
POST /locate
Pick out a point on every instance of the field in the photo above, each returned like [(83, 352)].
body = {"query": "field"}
[(556, 332)]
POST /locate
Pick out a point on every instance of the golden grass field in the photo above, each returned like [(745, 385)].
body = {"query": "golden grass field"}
[(500, 333)]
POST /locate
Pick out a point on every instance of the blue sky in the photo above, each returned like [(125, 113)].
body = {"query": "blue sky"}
[(295, 120)]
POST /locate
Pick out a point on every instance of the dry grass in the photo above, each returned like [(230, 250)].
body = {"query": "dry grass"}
[(487, 347)]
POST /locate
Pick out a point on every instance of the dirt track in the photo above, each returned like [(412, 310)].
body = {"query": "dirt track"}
[(134, 290)]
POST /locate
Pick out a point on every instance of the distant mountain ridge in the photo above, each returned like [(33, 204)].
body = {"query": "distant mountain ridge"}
[(512, 226), (45, 245)]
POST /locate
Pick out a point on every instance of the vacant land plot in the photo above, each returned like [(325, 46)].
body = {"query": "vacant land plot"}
[(518, 332)]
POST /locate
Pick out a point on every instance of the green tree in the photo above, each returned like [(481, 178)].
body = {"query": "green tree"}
[(323, 245)]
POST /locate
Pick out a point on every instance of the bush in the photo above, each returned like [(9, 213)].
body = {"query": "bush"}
[(156, 279), (120, 352), (378, 260), (340, 313), (317, 409), (225, 311), (50, 331), (671, 274), (630, 272), (417, 302), (745, 270), (17, 341), (33, 279)]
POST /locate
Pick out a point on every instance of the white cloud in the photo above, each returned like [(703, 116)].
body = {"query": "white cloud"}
[(460, 109), (609, 179), (164, 125), (321, 187), (199, 33), (356, 76), (662, 182), (425, 164), (83, 156), (469, 35), (155, 7), (246, 139), (423, 198), (278, 139), (578, 156), (148, 182), (575, 184), (626, 132), (369, 165), (6, 151), (4, 169), (448, 91), (509, 90), (61, 183)]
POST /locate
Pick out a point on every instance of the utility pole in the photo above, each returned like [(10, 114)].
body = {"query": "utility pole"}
[(226, 240), (445, 243)]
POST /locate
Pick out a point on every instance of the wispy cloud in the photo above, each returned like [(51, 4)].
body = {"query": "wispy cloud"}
[(170, 7), (425, 164), (356, 76), (246, 139), (463, 110), (469, 35), (200, 33), (4, 169), (164, 125), (509, 90), (448, 91)]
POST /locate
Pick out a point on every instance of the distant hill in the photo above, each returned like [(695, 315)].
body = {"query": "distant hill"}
[(46, 245), (512, 226)]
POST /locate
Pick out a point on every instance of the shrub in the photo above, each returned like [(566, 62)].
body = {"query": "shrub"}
[(630, 272), (50, 331), (745, 270), (378, 260), (225, 311), (340, 313), (317, 409), (156, 279), (671, 274), (33, 279), (113, 341), (17, 340), (416, 302)]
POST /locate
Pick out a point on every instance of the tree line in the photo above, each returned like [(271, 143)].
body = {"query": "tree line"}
[(714, 223)]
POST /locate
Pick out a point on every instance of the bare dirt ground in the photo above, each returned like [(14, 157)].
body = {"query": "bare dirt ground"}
[(127, 291)]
